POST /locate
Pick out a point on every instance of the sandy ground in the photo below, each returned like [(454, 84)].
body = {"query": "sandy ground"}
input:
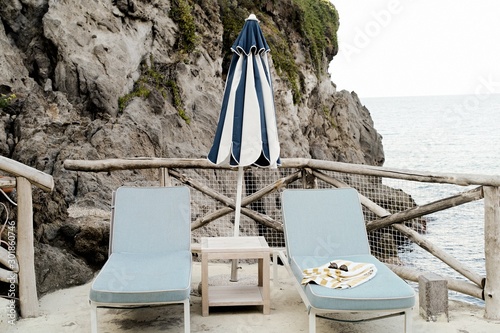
[(68, 311)]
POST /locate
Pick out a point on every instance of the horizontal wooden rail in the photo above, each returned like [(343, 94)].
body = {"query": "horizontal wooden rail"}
[(368, 170), (463, 287), (418, 211), (361, 169), (35, 177), (139, 163)]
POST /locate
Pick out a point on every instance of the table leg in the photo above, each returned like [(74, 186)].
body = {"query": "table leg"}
[(259, 275), (204, 285), (266, 292)]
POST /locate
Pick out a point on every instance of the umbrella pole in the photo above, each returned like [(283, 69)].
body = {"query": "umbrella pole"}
[(237, 215), (234, 271)]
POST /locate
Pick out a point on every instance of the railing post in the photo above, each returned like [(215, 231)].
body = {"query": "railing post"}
[(308, 179), (28, 297), (165, 177), (492, 251)]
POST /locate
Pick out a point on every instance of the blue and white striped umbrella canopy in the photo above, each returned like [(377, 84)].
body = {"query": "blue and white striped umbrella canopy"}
[(247, 133)]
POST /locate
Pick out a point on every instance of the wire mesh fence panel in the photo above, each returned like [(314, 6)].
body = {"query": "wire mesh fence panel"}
[(386, 242), (224, 182), (459, 231), (446, 229)]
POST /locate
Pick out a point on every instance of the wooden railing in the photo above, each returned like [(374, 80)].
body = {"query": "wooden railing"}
[(22, 267), (305, 170), (308, 171)]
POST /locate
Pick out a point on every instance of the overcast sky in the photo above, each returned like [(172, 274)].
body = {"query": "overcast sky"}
[(418, 47)]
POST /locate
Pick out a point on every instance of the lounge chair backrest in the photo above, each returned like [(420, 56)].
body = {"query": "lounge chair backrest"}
[(324, 222), (159, 218)]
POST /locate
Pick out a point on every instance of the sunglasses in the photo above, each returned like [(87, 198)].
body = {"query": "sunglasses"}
[(334, 265)]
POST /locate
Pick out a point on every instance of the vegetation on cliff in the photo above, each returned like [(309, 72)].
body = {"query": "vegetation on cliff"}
[(316, 22), (319, 22), (6, 100), (160, 80), (180, 13)]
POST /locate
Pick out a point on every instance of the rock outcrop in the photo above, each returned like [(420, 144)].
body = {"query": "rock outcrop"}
[(116, 79)]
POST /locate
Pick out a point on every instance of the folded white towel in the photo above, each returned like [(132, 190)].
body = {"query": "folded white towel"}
[(348, 274)]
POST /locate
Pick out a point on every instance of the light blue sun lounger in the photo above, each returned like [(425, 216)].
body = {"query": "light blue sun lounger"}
[(150, 254), (327, 224)]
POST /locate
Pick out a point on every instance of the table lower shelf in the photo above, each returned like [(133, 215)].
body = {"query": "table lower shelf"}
[(235, 295)]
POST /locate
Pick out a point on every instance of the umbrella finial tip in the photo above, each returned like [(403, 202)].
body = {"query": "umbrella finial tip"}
[(252, 17)]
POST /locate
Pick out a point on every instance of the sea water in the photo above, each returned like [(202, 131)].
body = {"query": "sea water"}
[(445, 134)]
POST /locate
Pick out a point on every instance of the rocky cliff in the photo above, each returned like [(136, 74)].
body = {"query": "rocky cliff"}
[(99, 79)]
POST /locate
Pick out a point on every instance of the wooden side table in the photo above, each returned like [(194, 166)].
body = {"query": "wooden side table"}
[(235, 248)]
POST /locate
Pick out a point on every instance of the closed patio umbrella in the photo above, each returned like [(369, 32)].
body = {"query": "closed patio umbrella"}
[(246, 132)]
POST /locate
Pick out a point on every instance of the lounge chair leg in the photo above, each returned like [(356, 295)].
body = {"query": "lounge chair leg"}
[(408, 321), (93, 318), (312, 322), (275, 267), (187, 316)]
